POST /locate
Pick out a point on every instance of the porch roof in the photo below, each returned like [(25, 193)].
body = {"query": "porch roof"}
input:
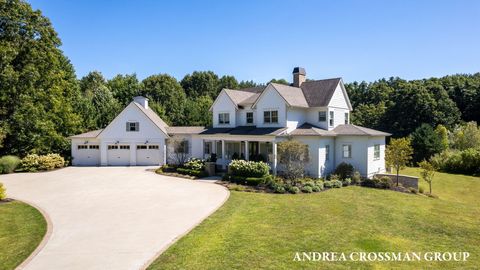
[(244, 130)]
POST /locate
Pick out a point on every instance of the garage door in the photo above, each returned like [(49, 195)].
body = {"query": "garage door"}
[(87, 155), (118, 155), (148, 155)]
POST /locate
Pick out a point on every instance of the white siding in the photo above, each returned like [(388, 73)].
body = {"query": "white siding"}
[(271, 100), (338, 99), (85, 157), (359, 152), (241, 116), (295, 118), (223, 104), (376, 166), (312, 117)]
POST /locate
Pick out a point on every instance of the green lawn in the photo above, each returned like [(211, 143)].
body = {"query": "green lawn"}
[(265, 230), (22, 228)]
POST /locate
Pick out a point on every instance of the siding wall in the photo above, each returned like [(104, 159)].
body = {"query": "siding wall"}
[(271, 100), (224, 105)]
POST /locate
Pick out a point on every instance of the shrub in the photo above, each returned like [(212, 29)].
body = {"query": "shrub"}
[(334, 177), (307, 189), (328, 184), (319, 184), (421, 190), (336, 183), (279, 188), (8, 164), (383, 182), (3, 192), (194, 164), (344, 170), (34, 162), (317, 188), (191, 172), (248, 168), (309, 183), (356, 178), (255, 181), (293, 189), (346, 182), (454, 161)]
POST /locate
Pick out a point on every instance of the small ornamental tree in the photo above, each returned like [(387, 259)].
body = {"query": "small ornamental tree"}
[(293, 156), (398, 154), (428, 172)]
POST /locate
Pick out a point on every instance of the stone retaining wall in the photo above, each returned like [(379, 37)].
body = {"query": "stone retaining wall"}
[(406, 180)]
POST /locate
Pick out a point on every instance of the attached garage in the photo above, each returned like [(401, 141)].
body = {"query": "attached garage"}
[(118, 155), (87, 155), (148, 155)]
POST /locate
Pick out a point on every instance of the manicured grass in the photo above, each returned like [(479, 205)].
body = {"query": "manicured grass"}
[(22, 228), (265, 230)]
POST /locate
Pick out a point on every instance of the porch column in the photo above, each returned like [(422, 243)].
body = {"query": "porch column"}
[(224, 160), (247, 155), (274, 161), (164, 152)]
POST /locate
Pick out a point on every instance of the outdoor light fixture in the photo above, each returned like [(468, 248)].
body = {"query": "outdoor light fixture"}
[(85, 142)]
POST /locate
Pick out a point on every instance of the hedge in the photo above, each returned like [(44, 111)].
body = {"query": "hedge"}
[(196, 173)]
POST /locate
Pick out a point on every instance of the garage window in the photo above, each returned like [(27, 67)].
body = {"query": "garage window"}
[(82, 147), (96, 147), (124, 146), (153, 147), (111, 147), (133, 126), (141, 147)]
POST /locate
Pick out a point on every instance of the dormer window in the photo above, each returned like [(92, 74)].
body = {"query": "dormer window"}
[(332, 115), (270, 117), (249, 117), (133, 126), (322, 116), (224, 118)]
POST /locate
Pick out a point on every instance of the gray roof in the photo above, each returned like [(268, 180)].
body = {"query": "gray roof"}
[(244, 96), (292, 95), (341, 130), (244, 130), (185, 130), (318, 93), (90, 134), (154, 117), (358, 130)]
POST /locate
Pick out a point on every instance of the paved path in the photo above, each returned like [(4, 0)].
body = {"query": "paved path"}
[(111, 217)]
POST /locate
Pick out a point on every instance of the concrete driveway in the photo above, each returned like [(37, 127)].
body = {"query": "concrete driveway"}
[(112, 217)]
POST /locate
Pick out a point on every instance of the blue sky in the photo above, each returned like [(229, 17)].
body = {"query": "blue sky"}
[(260, 40)]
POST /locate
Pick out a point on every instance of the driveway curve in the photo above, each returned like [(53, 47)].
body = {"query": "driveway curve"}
[(112, 217)]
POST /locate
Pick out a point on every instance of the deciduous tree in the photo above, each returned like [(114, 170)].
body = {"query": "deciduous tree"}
[(398, 154)]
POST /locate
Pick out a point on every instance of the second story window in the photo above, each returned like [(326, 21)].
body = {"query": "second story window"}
[(133, 126), (346, 118), (332, 116), (224, 118), (249, 117), (322, 116), (270, 117)]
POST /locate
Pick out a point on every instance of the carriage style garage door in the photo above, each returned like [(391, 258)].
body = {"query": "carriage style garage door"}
[(148, 155), (88, 155), (118, 155)]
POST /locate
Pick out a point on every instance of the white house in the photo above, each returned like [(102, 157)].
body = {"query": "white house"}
[(248, 124)]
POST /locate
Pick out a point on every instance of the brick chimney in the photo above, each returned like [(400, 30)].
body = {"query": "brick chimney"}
[(299, 76), (142, 101)]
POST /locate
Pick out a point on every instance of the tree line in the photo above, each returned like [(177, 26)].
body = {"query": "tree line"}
[(42, 102)]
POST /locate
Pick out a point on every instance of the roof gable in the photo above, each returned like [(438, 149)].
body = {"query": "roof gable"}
[(319, 93), (223, 95)]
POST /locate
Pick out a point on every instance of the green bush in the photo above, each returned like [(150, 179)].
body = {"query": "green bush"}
[(34, 162), (196, 173), (356, 178), (455, 161), (344, 170), (195, 164), (279, 188), (307, 189), (383, 182), (319, 184), (346, 182), (336, 183), (421, 190), (333, 177), (328, 184), (255, 181), (292, 189), (8, 164), (317, 188), (248, 168), (3, 192)]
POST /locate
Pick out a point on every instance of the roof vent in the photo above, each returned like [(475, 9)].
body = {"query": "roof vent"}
[(299, 76), (142, 101)]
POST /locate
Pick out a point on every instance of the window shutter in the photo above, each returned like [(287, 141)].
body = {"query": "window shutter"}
[(127, 127), (137, 126)]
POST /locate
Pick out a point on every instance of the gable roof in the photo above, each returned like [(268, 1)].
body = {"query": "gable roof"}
[(358, 130), (185, 130), (292, 95), (318, 93), (90, 134), (244, 96)]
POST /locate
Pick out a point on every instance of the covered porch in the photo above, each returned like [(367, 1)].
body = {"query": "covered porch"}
[(231, 148)]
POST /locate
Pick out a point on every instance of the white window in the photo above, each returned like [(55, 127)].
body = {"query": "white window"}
[(347, 150), (376, 151), (270, 117), (346, 118), (327, 152), (332, 115), (249, 117), (322, 116), (125, 147), (224, 118), (133, 126)]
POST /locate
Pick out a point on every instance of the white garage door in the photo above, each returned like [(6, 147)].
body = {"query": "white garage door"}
[(118, 155), (148, 155), (87, 155)]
